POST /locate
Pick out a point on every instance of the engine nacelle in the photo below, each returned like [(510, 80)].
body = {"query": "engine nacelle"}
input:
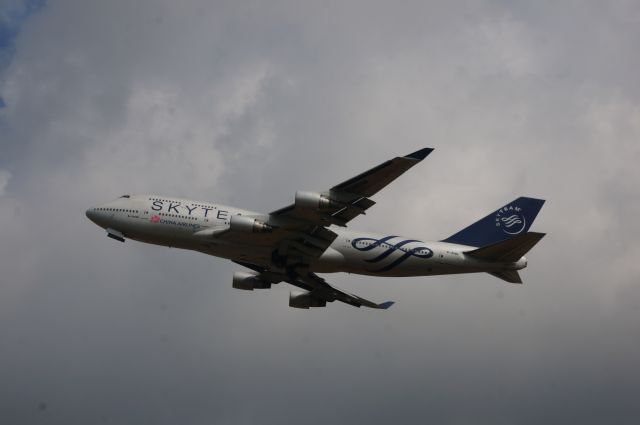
[(249, 281), (241, 223), (314, 201), (304, 299)]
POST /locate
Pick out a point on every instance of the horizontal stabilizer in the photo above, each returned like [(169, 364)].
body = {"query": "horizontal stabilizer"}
[(511, 276), (509, 250)]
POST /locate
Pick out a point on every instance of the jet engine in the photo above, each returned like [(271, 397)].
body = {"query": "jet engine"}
[(304, 299), (245, 224), (314, 201), (249, 281)]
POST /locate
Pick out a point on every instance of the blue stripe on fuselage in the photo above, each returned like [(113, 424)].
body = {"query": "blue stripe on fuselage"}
[(413, 252)]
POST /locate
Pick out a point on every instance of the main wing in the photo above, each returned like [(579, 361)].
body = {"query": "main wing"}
[(301, 234), (317, 292), (345, 201)]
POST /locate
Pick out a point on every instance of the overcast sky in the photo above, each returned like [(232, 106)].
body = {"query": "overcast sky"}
[(245, 102)]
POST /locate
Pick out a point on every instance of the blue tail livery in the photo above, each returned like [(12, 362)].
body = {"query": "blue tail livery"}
[(511, 220)]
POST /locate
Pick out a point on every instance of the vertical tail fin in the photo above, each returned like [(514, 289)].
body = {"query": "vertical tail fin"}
[(511, 220)]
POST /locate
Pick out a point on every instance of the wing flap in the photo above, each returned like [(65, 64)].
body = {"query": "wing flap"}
[(350, 212)]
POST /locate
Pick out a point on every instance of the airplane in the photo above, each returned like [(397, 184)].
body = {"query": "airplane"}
[(295, 243)]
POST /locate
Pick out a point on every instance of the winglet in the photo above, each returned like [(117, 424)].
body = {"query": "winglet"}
[(420, 154), (385, 305)]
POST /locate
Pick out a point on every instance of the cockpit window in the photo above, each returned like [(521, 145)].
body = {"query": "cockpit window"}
[(126, 196)]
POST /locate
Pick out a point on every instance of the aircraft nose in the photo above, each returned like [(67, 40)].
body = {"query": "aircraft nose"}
[(91, 214)]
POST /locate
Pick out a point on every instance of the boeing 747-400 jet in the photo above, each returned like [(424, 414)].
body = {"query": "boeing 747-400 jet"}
[(294, 243)]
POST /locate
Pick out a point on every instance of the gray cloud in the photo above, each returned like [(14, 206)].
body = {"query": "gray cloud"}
[(246, 103)]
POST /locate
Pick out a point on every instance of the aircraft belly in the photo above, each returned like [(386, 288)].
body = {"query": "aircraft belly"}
[(155, 233), (253, 254), (331, 261)]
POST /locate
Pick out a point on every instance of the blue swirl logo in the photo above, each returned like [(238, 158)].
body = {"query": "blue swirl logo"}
[(511, 220), (368, 244)]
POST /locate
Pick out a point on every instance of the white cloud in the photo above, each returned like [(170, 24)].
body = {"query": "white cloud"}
[(170, 139), (503, 46)]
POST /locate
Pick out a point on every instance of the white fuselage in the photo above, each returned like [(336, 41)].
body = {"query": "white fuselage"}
[(180, 223)]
